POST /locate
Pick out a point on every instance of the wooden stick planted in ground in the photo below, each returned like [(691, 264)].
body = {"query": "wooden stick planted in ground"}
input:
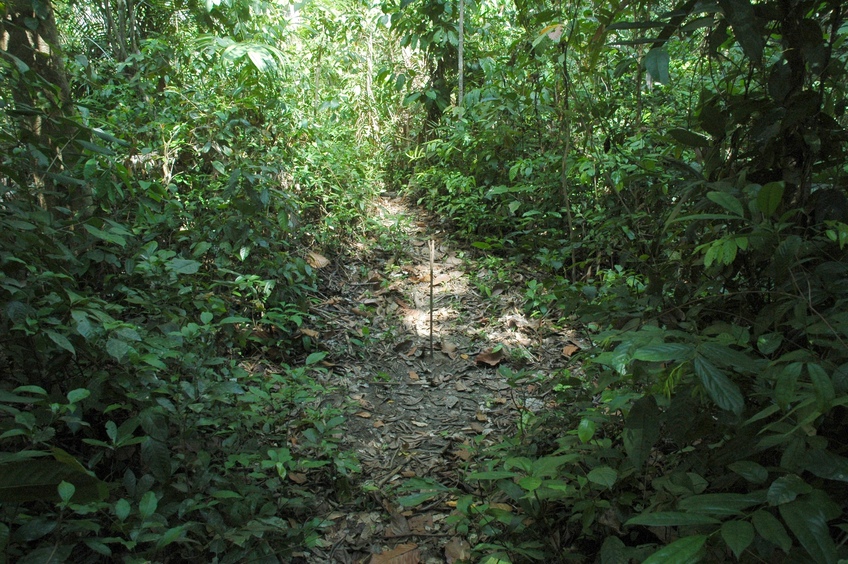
[(432, 259)]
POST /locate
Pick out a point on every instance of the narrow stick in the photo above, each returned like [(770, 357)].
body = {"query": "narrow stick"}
[(432, 259)]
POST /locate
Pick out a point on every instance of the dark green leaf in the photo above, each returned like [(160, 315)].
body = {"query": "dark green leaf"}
[(738, 535), (720, 503), (786, 489), (604, 476), (61, 340), (809, 525), (641, 430), (671, 519), (681, 551), (728, 202), (148, 504), (664, 352), (720, 388), (771, 529), (689, 138), (656, 63), (751, 471), (828, 465), (183, 266), (770, 197), (822, 386)]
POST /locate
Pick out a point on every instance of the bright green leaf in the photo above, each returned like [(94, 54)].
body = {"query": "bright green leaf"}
[(681, 551)]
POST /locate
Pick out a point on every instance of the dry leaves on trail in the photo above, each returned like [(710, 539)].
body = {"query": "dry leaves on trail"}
[(492, 358), (401, 554), (457, 550), (569, 350), (316, 261)]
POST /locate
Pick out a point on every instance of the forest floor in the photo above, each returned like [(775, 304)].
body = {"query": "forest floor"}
[(413, 414)]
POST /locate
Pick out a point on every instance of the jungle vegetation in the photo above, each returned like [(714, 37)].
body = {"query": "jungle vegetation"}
[(674, 171)]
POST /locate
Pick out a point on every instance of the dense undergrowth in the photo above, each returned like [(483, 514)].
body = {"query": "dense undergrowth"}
[(158, 401), (677, 175), (698, 235)]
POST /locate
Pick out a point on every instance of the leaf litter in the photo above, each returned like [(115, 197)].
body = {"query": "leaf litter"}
[(413, 415)]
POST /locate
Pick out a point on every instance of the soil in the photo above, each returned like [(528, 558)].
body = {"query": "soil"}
[(418, 412)]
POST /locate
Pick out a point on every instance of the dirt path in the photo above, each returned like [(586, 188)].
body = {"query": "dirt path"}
[(414, 416)]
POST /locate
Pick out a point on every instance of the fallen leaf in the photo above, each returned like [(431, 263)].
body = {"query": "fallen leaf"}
[(501, 506), (418, 423), (461, 387), (492, 358), (401, 554), (448, 347), (463, 356), (316, 261), (398, 527), (451, 401), (569, 350), (477, 428), (408, 474), (413, 375), (297, 477), (412, 351), (378, 424), (364, 415), (421, 523), (457, 550), (309, 332), (441, 279), (463, 454), (481, 416)]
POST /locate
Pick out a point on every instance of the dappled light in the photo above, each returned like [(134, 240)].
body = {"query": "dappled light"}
[(422, 281)]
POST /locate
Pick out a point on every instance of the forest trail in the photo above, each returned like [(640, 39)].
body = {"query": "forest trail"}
[(413, 416)]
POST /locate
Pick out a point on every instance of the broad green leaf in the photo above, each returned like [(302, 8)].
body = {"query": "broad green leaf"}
[(98, 547), (728, 202), (530, 483), (417, 499), (770, 197), (78, 395), (105, 236), (641, 430), (604, 476), (740, 14), (206, 317), (786, 489), (720, 388), (681, 551), (122, 509), (157, 456), (117, 348), (61, 340), (720, 503), (315, 358), (183, 266), (170, 536), (769, 342), (491, 475), (738, 535), (66, 491), (148, 504), (664, 352), (689, 138), (770, 528), (822, 386), (38, 480), (828, 465), (656, 63), (585, 430), (809, 525), (751, 471), (784, 389)]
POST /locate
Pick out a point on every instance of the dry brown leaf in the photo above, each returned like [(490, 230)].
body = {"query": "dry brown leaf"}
[(364, 415), (569, 350), (448, 347), (413, 375), (492, 358), (457, 550), (421, 523), (398, 527), (441, 279), (477, 428), (401, 554), (408, 474), (481, 416), (379, 424), (309, 332), (463, 356), (461, 387), (463, 454), (297, 477), (501, 506), (412, 351), (418, 423), (316, 261)]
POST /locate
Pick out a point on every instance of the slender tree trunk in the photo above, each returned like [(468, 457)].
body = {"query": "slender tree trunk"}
[(40, 88), (461, 53)]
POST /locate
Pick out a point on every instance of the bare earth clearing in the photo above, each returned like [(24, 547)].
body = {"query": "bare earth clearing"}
[(412, 415)]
